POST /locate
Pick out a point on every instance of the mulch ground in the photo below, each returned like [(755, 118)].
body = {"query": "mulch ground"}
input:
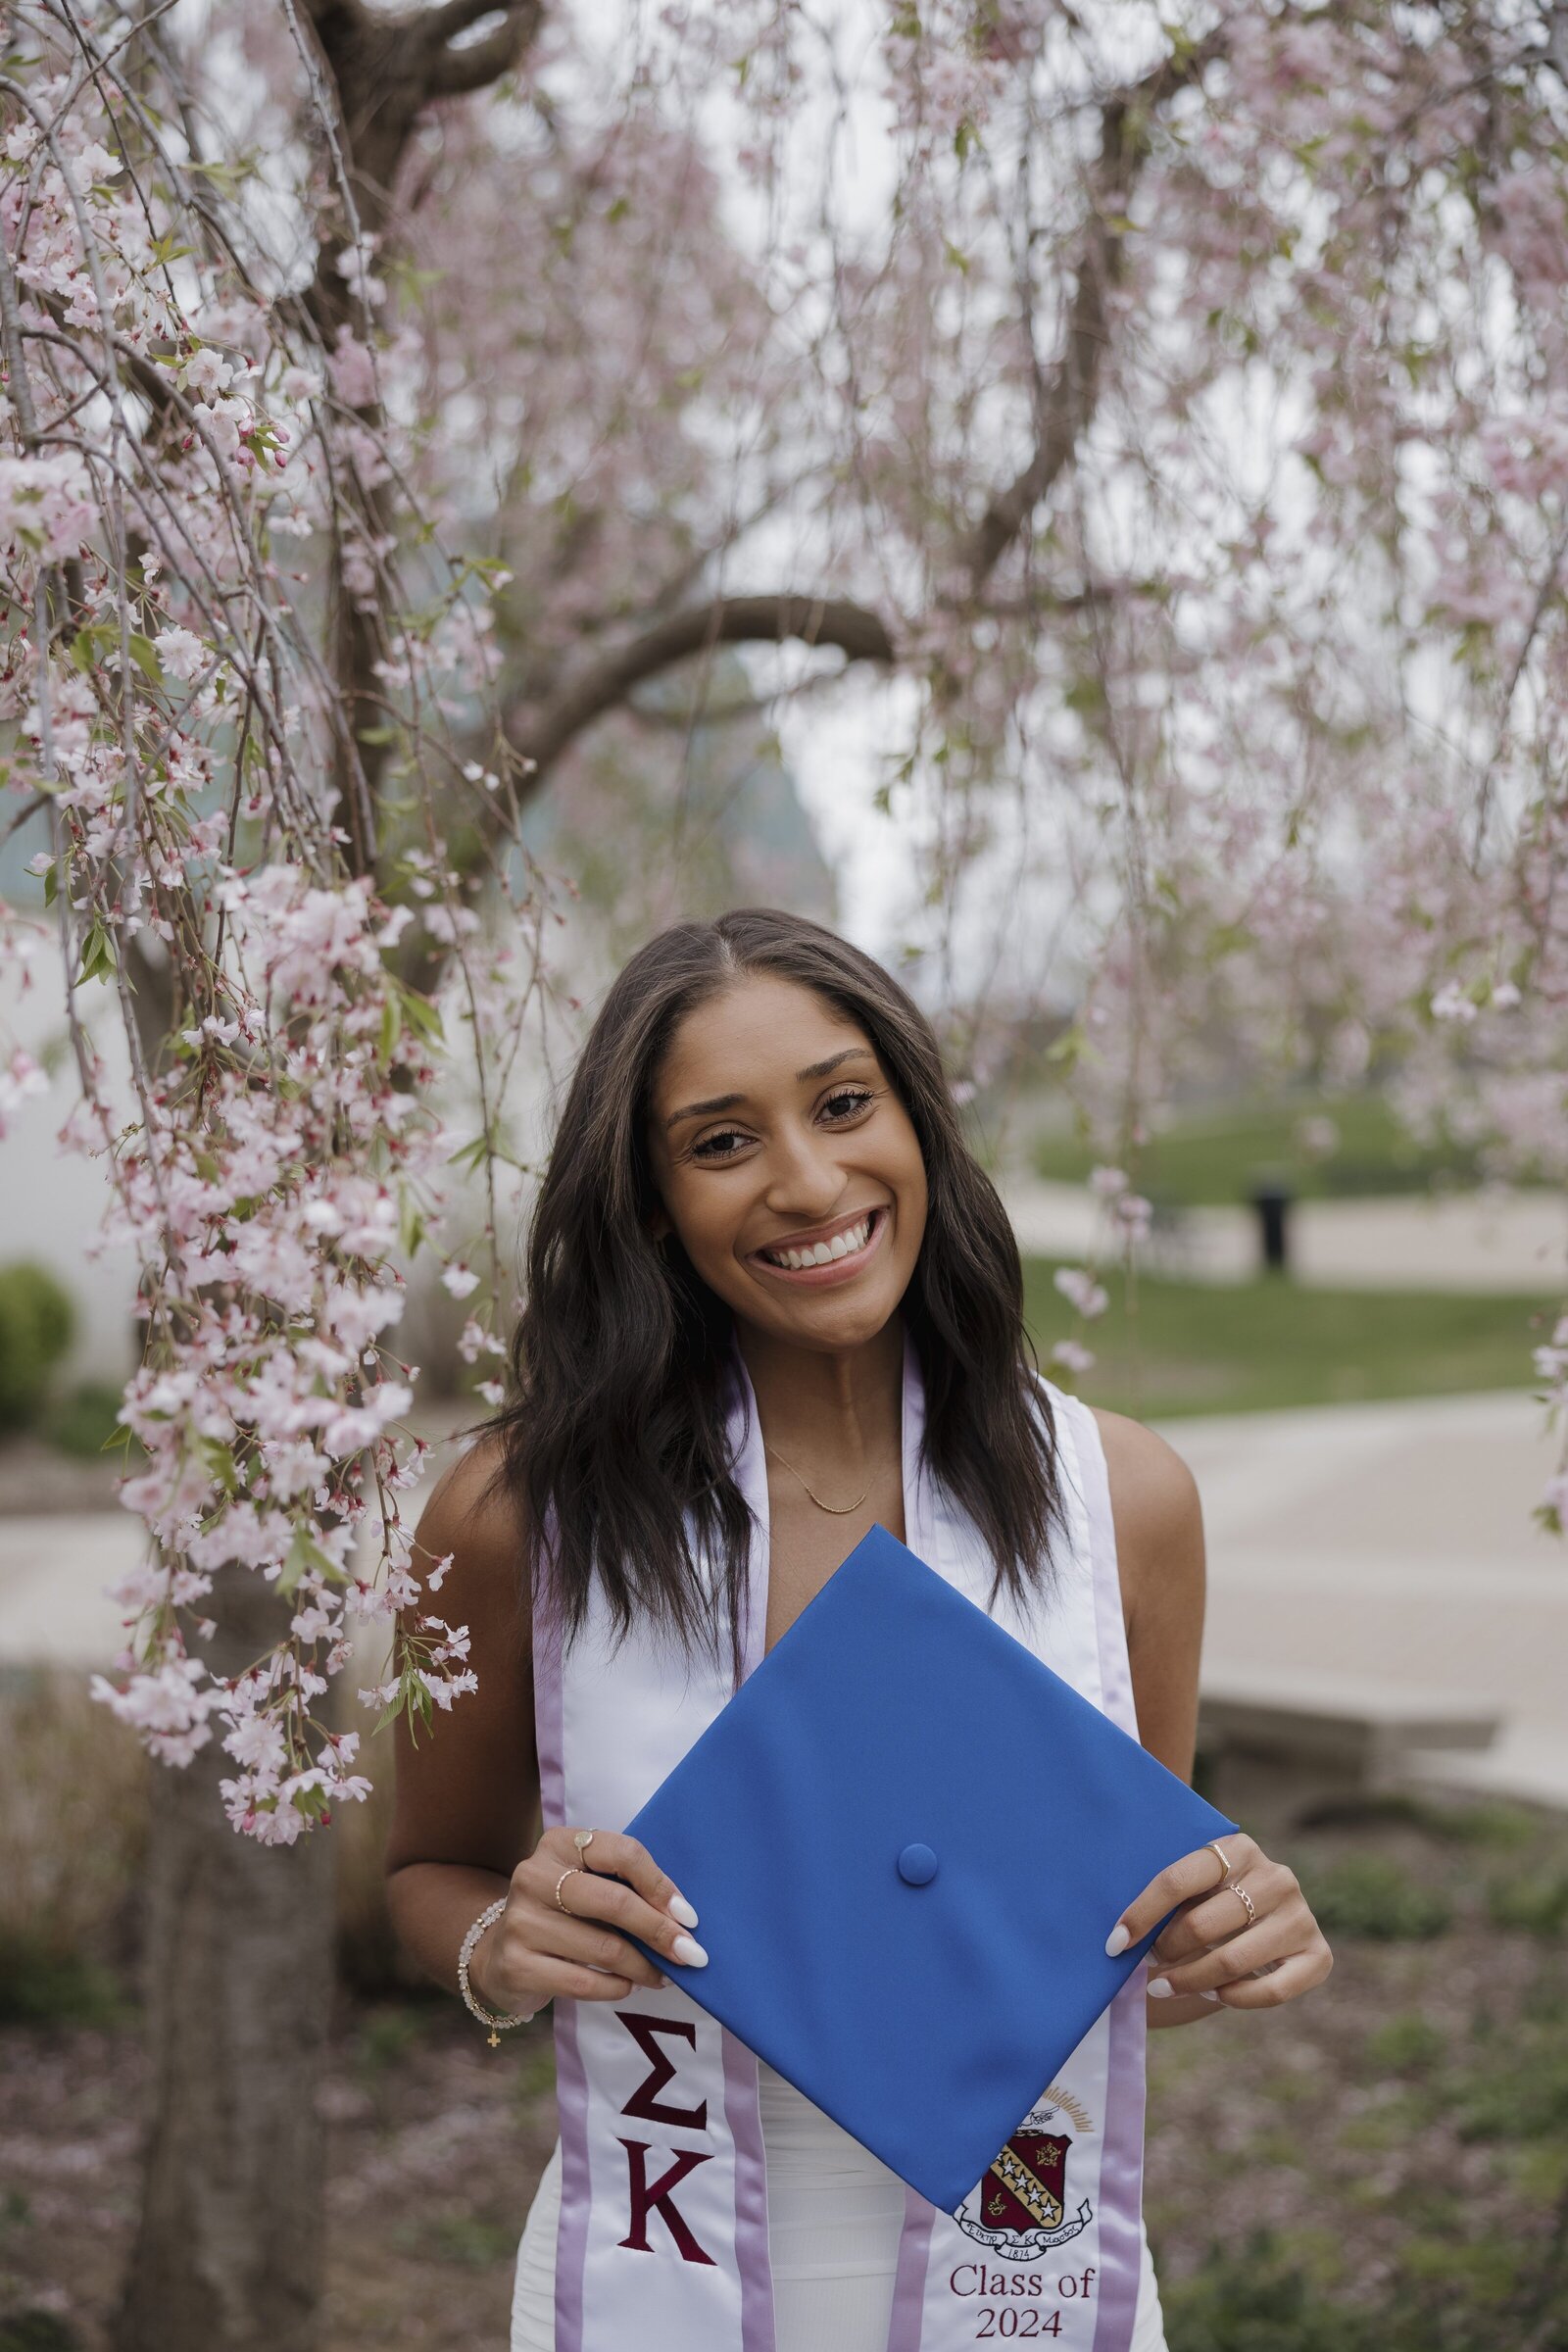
[(1400, 2134)]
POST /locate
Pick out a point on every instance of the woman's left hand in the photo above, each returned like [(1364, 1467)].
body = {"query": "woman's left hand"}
[(1212, 1946)]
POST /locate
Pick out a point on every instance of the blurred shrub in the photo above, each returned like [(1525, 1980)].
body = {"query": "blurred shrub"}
[(73, 1791), (1367, 1894), (1448, 2294), (72, 1812), (1259, 2298), (86, 1421), (1515, 2087), (36, 1324), (37, 2330), (1538, 1901), (1406, 2045)]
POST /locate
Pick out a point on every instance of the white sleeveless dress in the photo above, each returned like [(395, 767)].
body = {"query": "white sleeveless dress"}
[(834, 2216)]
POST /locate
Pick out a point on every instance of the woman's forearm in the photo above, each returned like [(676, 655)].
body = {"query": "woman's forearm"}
[(433, 1905)]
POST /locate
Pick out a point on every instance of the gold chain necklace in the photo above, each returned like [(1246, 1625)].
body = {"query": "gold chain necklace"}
[(839, 1510)]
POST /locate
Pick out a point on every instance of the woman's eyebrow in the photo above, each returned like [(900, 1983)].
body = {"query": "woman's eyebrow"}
[(820, 1069), (814, 1069), (701, 1110)]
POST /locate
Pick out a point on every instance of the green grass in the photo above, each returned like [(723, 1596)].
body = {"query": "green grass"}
[(1367, 1894), (1214, 1156), (1221, 1347)]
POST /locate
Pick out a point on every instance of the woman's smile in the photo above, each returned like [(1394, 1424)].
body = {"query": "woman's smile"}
[(833, 1253)]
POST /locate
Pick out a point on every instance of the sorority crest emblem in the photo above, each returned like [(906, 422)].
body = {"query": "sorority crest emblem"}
[(1020, 2207)]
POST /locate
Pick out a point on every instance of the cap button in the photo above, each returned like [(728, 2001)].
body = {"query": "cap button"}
[(917, 1866)]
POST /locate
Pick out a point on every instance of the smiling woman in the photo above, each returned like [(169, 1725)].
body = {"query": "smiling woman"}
[(772, 1300), (747, 1085)]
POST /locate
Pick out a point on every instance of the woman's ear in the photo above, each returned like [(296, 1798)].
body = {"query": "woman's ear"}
[(659, 1228)]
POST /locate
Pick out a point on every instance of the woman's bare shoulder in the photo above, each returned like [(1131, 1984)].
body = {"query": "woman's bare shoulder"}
[(1155, 1508), (1146, 1474), (474, 1516)]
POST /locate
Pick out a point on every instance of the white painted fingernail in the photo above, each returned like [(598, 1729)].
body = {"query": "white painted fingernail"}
[(680, 1908), (688, 1951), (1159, 1988), (1211, 1996), (1119, 1939)]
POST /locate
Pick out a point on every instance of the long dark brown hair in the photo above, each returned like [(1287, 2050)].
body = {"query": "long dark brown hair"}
[(617, 1416)]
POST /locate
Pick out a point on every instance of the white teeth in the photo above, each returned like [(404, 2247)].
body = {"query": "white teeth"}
[(822, 1254)]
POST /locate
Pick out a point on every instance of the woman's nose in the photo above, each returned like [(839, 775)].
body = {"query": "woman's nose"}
[(802, 1173)]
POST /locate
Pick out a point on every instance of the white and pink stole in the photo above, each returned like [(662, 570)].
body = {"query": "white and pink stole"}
[(662, 2242)]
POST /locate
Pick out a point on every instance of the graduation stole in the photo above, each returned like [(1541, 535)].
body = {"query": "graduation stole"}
[(662, 2242)]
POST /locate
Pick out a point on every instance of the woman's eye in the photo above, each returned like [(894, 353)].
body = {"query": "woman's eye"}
[(704, 1149), (854, 1096)]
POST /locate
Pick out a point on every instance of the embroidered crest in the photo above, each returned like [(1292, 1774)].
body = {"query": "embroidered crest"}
[(1020, 2207)]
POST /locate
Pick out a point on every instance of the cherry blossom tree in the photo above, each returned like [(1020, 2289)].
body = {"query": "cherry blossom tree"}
[(1155, 421)]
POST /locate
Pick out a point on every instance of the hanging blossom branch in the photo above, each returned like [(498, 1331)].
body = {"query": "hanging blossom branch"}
[(168, 429)]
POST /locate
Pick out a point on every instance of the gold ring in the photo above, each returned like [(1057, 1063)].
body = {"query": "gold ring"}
[(575, 1872), (1224, 1865), (582, 1840), (1237, 1889)]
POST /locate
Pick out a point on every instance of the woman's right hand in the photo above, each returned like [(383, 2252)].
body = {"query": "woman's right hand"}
[(536, 1951)]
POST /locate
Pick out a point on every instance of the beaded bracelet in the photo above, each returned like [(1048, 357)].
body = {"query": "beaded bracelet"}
[(487, 2017)]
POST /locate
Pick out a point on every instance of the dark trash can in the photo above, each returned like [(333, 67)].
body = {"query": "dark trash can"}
[(1271, 1200)]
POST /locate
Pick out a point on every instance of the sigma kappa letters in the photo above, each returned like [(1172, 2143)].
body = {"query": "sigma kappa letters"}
[(647, 2197)]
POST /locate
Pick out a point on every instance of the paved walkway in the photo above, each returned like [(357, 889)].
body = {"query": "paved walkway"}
[(1396, 1542), (1509, 1242), (1390, 1541)]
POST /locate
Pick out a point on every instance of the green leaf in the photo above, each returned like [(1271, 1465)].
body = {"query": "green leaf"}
[(87, 645), (303, 1553), (391, 1029), (421, 1014), (144, 654), (221, 1463), (97, 955), (470, 1155)]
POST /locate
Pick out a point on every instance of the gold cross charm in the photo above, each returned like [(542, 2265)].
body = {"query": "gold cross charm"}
[(495, 2039)]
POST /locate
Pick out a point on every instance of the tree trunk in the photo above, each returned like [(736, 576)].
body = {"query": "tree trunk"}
[(228, 2252)]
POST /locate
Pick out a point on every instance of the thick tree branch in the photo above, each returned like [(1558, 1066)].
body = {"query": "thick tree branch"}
[(383, 70), (544, 733), (477, 64), (1066, 395)]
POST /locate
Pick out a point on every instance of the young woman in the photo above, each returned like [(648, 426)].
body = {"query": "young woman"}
[(772, 1301)]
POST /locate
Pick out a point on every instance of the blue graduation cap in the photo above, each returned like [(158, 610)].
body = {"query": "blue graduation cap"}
[(908, 1841)]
